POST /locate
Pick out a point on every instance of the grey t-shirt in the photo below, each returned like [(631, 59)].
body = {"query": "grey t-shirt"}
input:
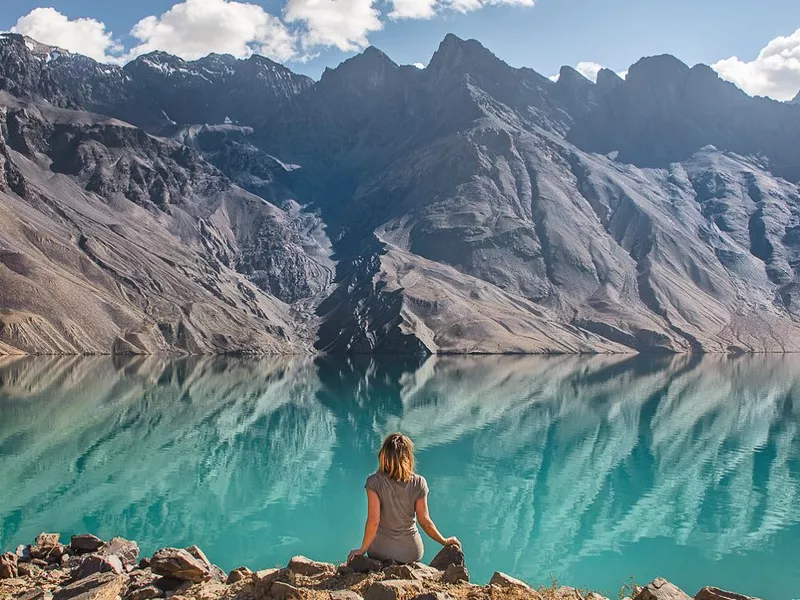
[(397, 538)]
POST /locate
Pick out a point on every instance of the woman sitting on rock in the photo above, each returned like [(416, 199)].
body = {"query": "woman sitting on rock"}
[(395, 495)]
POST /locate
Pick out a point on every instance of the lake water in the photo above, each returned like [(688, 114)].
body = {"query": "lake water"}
[(586, 469)]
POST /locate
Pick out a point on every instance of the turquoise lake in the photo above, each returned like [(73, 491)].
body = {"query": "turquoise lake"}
[(590, 470)]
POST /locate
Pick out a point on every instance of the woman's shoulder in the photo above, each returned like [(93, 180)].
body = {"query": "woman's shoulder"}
[(418, 481), (375, 481)]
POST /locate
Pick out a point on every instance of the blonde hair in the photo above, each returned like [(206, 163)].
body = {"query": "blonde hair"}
[(396, 457)]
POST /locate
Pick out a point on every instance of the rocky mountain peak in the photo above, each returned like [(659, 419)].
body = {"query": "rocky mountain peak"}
[(369, 70), (661, 70), (796, 99), (608, 79), (570, 76), (462, 56)]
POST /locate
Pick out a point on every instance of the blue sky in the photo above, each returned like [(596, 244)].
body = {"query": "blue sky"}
[(309, 35)]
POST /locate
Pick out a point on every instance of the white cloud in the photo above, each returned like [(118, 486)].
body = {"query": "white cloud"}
[(588, 69), (427, 9), (419, 65), (194, 28), (83, 36), (344, 24), (413, 9), (775, 72)]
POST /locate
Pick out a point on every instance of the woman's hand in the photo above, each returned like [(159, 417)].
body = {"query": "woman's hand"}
[(354, 553), (452, 541)]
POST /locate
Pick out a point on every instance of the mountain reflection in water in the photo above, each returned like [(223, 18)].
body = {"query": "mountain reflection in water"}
[(587, 469)]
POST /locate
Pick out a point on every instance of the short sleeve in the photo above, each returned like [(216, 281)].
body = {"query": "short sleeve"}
[(373, 483), (423, 487)]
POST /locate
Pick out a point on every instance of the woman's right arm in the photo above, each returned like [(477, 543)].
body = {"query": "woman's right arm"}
[(428, 526)]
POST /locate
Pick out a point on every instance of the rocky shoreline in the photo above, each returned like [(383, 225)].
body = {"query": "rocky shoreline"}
[(89, 568)]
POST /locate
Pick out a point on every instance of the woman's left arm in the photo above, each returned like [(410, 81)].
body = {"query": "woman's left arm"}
[(371, 526)]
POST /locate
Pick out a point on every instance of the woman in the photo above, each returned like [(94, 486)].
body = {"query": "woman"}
[(395, 495)]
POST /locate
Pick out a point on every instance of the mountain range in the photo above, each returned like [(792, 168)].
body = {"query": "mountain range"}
[(233, 206)]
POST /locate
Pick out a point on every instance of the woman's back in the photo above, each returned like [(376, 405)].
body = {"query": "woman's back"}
[(397, 538), (398, 501)]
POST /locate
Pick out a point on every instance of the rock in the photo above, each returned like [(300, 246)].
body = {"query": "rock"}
[(27, 569), (199, 555), (144, 563), (238, 575), (46, 547), (263, 580), (661, 589), (345, 595), (506, 581), (455, 574), (569, 593), (8, 566), (399, 572), (179, 564), (98, 563), (392, 589), (364, 564), (85, 543), (596, 596), (23, 553), (36, 594), (449, 555), (168, 584), (146, 593), (424, 572), (281, 590), (305, 566), (100, 586), (433, 596), (712, 593), (127, 551)]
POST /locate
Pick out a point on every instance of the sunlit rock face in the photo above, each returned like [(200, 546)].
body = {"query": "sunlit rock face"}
[(469, 207)]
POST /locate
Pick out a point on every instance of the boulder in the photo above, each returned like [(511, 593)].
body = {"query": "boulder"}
[(179, 564), (506, 581), (8, 566), (199, 555), (85, 543), (281, 590), (596, 596), (100, 586), (345, 595), (433, 596), (168, 584), (568, 593), (97, 563), (126, 550), (36, 594), (238, 575), (47, 548), (425, 573), (449, 555), (399, 572), (23, 553), (263, 580), (146, 593), (661, 589), (393, 589), (305, 566), (144, 563), (364, 564), (27, 569), (455, 574), (712, 593)]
